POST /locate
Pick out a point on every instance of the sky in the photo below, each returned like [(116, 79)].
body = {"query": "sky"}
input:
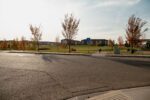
[(99, 19)]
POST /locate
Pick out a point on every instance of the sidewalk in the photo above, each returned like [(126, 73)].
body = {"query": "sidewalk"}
[(35, 52), (102, 54), (141, 93), (140, 56), (106, 54)]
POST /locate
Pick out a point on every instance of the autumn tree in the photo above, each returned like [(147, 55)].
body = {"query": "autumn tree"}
[(70, 28), (120, 41), (135, 31), (22, 43), (37, 35), (3, 45), (15, 44)]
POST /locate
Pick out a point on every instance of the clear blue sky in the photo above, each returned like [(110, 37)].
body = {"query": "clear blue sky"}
[(102, 19)]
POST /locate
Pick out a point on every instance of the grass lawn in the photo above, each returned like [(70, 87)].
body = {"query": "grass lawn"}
[(87, 49), (78, 48)]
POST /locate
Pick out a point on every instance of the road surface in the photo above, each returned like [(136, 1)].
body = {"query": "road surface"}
[(59, 77)]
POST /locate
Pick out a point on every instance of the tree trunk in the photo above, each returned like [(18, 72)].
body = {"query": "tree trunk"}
[(38, 46), (132, 51), (69, 44)]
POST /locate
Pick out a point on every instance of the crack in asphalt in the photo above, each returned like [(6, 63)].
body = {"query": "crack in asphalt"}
[(58, 83), (46, 61)]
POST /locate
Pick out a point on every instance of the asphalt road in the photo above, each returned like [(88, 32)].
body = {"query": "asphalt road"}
[(58, 77)]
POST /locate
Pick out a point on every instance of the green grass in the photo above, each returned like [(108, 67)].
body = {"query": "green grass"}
[(79, 48), (86, 49)]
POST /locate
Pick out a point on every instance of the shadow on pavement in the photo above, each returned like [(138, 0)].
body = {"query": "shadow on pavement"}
[(136, 63)]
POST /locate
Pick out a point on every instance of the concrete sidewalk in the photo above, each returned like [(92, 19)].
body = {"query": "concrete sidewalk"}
[(105, 54), (102, 54), (35, 52), (142, 93), (139, 93)]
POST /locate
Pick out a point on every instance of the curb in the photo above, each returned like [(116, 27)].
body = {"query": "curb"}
[(81, 54), (131, 56), (53, 53)]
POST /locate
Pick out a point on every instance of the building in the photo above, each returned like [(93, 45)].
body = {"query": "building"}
[(47, 43), (146, 43), (73, 42), (100, 42)]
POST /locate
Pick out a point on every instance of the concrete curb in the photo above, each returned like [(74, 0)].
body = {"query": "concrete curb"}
[(53, 53), (80, 54), (139, 56)]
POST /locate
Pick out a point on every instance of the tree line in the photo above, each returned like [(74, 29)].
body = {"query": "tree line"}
[(70, 26)]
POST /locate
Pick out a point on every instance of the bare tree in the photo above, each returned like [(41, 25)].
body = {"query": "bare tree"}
[(70, 28), (135, 31), (111, 43), (120, 41), (37, 35), (57, 42)]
